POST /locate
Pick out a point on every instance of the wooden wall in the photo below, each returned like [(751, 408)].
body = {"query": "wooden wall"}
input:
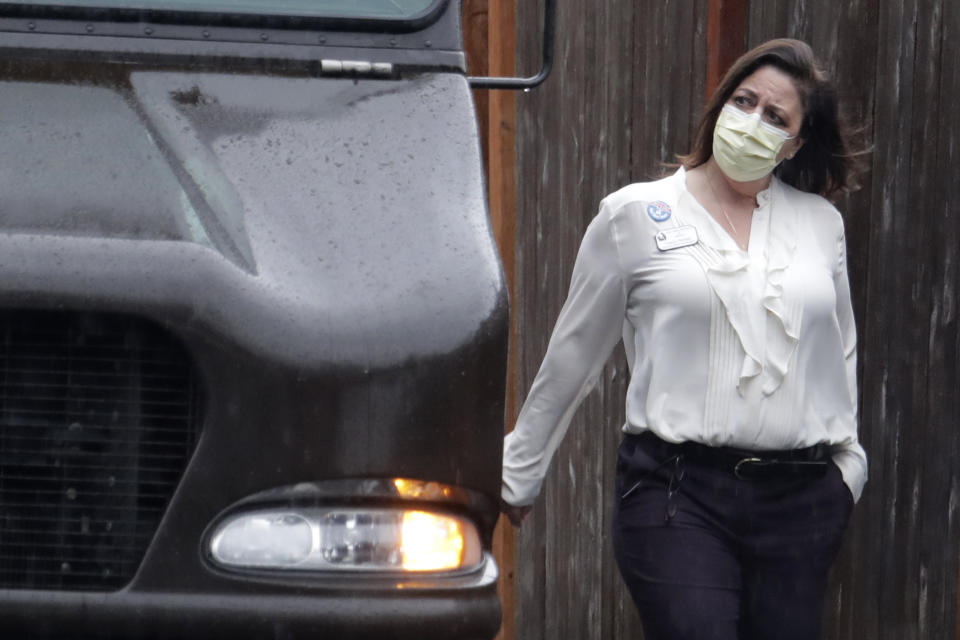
[(628, 86), (897, 65), (626, 89)]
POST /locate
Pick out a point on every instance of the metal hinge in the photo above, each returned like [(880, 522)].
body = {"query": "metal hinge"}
[(356, 68)]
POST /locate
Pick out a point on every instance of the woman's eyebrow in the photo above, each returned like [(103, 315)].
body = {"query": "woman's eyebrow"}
[(779, 110)]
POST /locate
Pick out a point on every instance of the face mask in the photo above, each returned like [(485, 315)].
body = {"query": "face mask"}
[(745, 146)]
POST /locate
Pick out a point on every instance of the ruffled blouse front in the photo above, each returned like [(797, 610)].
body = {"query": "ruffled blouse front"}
[(749, 285), (753, 349)]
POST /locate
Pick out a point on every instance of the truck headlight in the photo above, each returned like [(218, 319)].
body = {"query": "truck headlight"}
[(347, 539)]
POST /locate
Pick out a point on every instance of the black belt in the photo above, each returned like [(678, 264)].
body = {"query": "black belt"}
[(744, 463)]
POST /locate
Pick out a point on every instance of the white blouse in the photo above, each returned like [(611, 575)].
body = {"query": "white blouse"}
[(751, 349)]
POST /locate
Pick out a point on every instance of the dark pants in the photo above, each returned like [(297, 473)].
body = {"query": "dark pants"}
[(707, 555)]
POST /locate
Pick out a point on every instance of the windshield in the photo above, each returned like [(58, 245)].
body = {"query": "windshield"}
[(376, 9)]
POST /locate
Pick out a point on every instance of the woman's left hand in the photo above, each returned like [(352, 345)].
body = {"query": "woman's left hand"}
[(515, 514)]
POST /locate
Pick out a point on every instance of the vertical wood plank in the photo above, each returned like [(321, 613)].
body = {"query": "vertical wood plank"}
[(501, 132), (489, 43), (474, 24), (941, 240), (535, 158), (568, 491), (888, 397), (726, 39), (948, 319), (502, 187), (886, 440)]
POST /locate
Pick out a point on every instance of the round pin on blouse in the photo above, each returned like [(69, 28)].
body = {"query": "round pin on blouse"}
[(659, 211)]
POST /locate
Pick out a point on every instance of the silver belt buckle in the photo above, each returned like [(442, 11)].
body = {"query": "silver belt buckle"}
[(736, 468)]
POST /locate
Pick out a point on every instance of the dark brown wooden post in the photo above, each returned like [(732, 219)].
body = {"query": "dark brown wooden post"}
[(726, 38), (502, 186), (489, 41)]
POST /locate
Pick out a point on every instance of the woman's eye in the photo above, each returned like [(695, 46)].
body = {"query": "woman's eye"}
[(741, 101), (775, 119)]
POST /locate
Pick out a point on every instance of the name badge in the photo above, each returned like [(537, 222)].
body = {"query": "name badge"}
[(677, 237)]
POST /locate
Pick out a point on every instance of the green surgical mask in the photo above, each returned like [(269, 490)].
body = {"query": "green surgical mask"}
[(745, 146)]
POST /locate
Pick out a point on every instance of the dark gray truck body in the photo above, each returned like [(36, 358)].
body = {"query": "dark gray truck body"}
[(229, 278)]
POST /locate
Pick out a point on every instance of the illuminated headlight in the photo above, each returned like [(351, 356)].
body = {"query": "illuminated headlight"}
[(329, 539)]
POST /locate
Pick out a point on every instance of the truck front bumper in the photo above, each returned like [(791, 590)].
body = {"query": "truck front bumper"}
[(469, 610)]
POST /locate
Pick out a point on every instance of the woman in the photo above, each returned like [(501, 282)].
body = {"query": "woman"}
[(727, 282)]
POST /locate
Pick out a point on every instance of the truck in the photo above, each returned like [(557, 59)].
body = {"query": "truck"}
[(253, 322)]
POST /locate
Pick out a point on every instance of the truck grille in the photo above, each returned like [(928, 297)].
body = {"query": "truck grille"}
[(99, 415)]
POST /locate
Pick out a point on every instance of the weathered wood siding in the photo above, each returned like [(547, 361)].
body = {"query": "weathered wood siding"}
[(897, 62), (626, 91), (627, 85)]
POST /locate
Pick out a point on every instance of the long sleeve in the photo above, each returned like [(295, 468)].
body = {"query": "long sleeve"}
[(849, 455), (588, 328)]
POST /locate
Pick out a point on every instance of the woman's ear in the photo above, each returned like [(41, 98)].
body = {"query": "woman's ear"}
[(797, 143)]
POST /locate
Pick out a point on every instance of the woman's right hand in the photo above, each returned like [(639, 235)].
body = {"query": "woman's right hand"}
[(515, 514)]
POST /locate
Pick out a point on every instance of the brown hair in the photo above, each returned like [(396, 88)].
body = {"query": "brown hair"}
[(825, 163)]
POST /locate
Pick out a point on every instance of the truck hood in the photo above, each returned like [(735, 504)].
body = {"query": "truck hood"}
[(318, 220)]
